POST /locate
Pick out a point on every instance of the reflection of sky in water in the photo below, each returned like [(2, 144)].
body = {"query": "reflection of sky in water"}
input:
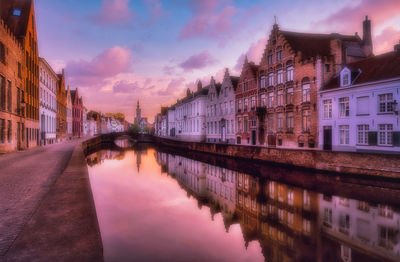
[(149, 215)]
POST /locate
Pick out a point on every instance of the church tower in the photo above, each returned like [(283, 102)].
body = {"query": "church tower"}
[(138, 113)]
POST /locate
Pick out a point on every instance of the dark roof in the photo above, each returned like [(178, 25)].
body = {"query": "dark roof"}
[(370, 69), (312, 45), (235, 81), (73, 93), (218, 87), (17, 24)]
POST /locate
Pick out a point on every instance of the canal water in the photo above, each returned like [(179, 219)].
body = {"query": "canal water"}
[(154, 205)]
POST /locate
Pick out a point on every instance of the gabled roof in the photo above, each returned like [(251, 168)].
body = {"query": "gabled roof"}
[(73, 93), (375, 68), (235, 81), (17, 24), (312, 45)]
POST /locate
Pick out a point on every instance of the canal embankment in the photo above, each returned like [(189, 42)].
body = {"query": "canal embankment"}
[(64, 226), (354, 163)]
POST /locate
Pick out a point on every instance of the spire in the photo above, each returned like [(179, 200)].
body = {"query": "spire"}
[(199, 85), (246, 60), (275, 27), (226, 72), (212, 81), (137, 106)]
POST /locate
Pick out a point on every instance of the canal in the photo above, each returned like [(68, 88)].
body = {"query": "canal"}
[(159, 205)]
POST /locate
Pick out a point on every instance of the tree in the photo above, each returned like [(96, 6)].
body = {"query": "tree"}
[(135, 129)]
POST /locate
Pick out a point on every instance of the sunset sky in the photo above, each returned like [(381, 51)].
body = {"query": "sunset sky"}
[(118, 51)]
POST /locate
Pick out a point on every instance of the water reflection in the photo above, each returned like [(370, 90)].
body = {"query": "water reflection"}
[(277, 221)]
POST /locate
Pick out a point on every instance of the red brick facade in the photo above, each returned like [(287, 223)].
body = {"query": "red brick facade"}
[(77, 111)]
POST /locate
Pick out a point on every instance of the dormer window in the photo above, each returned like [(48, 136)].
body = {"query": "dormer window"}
[(345, 79), (16, 12)]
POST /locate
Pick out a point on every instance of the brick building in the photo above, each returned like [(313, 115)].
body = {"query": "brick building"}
[(19, 16), (246, 101), (77, 111), (61, 108), (293, 68), (12, 91)]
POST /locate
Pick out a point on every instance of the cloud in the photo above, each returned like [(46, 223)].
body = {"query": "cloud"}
[(109, 63), (174, 86), (254, 53), (349, 18), (198, 61), (113, 12), (155, 9), (386, 40), (209, 20), (127, 87)]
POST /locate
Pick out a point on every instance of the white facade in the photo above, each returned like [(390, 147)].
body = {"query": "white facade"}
[(171, 122), (190, 116), (85, 122), (92, 127), (363, 225), (48, 103), (363, 117), (220, 111)]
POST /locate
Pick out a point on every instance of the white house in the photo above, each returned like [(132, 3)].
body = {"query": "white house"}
[(171, 122), (359, 108), (190, 118), (220, 111), (48, 103)]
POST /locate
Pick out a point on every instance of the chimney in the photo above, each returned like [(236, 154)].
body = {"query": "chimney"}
[(367, 37)]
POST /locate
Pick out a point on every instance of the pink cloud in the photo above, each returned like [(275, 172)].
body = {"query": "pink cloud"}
[(114, 12), (254, 53), (198, 61), (109, 63), (387, 39), (127, 87), (173, 87), (349, 19), (208, 20)]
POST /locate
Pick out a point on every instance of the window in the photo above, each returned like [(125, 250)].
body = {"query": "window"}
[(2, 53), (280, 122), (280, 76), (306, 121), (253, 102), (2, 93), (9, 131), (306, 199), (289, 73), (246, 104), (289, 122), (262, 81), (362, 134), (16, 12), (239, 125), (2, 130), (263, 100), (344, 107), (363, 105), (344, 135), (290, 197), (280, 97), (253, 122), (363, 206), (327, 218), (386, 103), (231, 105), (270, 79), (9, 97), (270, 123), (344, 223), (245, 123), (270, 58), (385, 134), (328, 109), (279, 54), (305, 90), (388, 237), (289, 96), (306, 226), (240, 105), (385, 211), (327, 68), (345, 78), (271, 99), (246, 86)]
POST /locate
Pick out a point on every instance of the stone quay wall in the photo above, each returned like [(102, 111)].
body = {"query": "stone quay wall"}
[(368, 164)]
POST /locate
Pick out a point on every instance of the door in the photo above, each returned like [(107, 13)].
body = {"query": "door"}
[(327, 138), (253, 137), (271, 140)]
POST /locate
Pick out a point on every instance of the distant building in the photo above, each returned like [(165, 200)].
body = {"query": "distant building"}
[(85, 122), (69, 113), (359, 107), (77, 108), (220, 111), (61, 108), (48, 103)]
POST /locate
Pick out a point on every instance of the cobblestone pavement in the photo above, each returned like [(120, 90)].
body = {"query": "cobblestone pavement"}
[(25, 178)]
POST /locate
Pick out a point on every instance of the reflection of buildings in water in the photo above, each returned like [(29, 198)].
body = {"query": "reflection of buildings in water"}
[(290, 223), (100, 156), (356, 228), (139, 153)]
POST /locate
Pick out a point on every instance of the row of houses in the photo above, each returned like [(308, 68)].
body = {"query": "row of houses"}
[(309, 91), (98, 123), (37, 107)]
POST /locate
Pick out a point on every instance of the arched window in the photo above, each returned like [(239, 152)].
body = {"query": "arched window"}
[(270, 58), (289, 71), (279, 54)]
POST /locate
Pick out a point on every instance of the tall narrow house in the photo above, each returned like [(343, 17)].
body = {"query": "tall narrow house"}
[(18, 17)]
